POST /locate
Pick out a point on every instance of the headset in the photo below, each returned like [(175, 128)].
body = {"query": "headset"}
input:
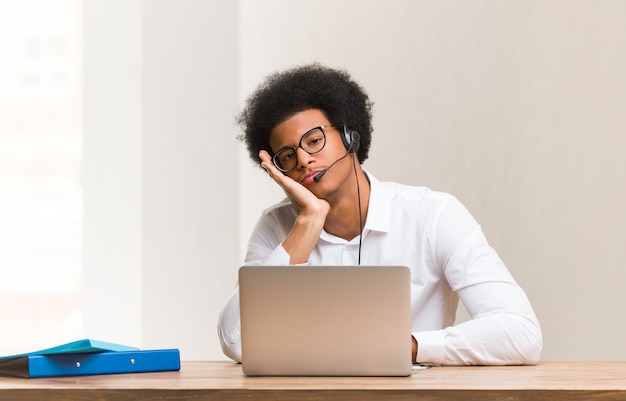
[(351, 139)]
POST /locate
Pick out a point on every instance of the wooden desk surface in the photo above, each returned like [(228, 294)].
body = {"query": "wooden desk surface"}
[(225, 381)]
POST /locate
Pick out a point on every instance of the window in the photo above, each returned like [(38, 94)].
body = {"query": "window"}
[(40, 167)]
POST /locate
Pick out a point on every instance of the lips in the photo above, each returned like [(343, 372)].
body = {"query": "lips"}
[(308, 178)]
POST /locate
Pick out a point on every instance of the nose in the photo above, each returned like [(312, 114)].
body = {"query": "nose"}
[(303, 157)]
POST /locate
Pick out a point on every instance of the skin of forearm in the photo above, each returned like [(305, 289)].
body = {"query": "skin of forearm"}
[(303, 237)]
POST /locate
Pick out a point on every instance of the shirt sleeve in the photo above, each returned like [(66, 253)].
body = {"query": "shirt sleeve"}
[(264, 248), (229, 328), (504, 329)]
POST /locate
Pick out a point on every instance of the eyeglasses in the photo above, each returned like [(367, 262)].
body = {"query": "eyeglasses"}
[(311, 142)]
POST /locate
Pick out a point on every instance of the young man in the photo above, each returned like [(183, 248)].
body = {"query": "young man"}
[(310, 127)]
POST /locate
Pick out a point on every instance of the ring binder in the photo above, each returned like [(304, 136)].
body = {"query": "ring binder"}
[(87, 357)]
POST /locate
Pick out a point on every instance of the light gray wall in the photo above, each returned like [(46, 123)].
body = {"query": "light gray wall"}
[(161, 199), (517, 108)]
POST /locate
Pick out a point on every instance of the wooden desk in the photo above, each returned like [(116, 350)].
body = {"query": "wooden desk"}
[(225, 381)]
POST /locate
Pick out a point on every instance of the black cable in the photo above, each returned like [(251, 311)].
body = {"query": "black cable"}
[(358, 194)]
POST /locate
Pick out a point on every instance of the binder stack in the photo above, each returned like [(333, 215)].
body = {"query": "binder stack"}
[(89, 357)]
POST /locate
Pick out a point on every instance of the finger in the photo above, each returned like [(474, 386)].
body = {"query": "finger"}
[(264, 155), (270, 168), (266, 162), (268, 165), (292, 189)]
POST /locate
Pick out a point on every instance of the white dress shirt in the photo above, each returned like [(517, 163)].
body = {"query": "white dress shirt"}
[(449, 258)]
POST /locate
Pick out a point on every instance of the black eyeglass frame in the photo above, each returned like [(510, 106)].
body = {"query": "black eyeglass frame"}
[(295, 148)]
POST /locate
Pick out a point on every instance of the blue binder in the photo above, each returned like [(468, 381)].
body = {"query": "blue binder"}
[(96, 361), (84, 346)]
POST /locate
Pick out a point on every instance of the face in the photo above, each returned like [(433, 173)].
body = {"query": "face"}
[(288, 135)]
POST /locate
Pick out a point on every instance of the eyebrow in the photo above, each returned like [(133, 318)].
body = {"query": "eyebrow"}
[(322, 126)]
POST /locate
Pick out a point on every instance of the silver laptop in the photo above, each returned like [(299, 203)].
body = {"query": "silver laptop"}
[(325, 320)]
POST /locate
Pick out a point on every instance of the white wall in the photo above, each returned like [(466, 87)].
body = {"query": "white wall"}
[(161, 201), (515, 107)]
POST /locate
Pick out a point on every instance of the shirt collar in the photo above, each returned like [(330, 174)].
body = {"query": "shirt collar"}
[(379, 210)]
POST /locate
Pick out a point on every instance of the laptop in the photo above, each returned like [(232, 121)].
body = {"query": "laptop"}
[(325, 320)]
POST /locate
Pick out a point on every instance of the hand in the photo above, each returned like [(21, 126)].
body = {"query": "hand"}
[(413, 349), (305, 200), (312, 212)]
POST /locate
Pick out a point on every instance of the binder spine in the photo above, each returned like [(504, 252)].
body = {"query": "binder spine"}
[(101, 363)]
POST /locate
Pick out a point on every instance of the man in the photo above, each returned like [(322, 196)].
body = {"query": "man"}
[(310, 127)]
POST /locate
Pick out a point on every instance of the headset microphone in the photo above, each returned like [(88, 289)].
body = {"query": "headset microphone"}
[(319, 176)]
